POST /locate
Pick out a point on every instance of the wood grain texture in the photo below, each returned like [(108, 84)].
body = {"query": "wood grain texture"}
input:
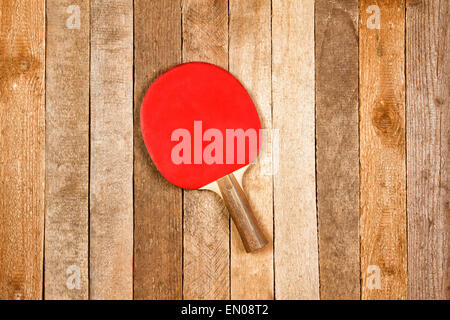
[(67, 152), (427, 71), (337, 147), (111, 190), (206, 221), (445, 155), (296, 254), (157, 204), (22, 156), (382, 152), (250, 61)]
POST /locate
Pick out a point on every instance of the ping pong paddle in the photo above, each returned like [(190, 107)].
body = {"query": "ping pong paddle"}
[(200, 125)]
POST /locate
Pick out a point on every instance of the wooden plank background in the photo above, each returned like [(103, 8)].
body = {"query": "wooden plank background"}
[(427, 149), (296, 255), (351, 187), (382, 150), (337, 148), (22, 145), (67, 151), (111, 165)]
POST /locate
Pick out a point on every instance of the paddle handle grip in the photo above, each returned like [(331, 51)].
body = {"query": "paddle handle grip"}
[(241, 213)]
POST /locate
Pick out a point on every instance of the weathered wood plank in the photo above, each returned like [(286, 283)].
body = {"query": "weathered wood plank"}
[(111, 174), (250, 61), (337, 147), (445, 155), (157, 204), (206, 222), (67, 151), (427, 71), (382, 150), (296, 254), (22, 156)]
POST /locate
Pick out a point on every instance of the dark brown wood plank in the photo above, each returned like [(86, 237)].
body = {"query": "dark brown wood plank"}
[(427, 72), (382, 150), (337, 147), (206, 221), (157, 203), (22, 155), (67, 151)]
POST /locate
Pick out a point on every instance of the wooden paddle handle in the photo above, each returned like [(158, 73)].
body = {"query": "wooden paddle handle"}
[(241, 213)]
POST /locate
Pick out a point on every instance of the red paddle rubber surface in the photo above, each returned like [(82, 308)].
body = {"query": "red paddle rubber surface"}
[(199, 124)]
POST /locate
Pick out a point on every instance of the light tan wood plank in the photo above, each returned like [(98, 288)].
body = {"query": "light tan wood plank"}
[(206, 222), (250, 61), (337, 147), (22, 156), (427, 72), (67, 150), (157, 204), (445, 157), (296, 251), (111, 181), (382, 150)]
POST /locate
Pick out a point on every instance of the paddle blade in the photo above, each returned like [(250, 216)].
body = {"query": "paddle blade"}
[(199, 124)]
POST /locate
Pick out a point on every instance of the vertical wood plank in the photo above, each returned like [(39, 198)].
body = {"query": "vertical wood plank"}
[(157, 203), (111, 190), (67, 149), (206, 222), (296, 254), (382, 150), (337, 147), (427, 70), (22, 156), (445, 155), (250, 61)]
